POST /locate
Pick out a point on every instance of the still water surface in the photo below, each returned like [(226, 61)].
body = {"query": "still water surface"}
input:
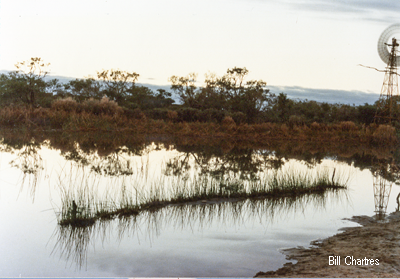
[(208, 240)]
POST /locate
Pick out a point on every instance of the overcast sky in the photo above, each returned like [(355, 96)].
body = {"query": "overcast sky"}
[(314, 44)]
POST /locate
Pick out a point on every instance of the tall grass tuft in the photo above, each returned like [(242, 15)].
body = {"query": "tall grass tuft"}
[(83, 205)]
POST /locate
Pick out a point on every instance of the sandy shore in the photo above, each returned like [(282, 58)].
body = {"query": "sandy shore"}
[(372, 250)]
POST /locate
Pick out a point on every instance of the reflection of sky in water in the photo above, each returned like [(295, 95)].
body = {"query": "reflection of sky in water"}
[(163, 245)]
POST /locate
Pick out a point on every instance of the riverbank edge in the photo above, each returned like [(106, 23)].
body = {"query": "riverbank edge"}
[(42, 119), (374, 240)]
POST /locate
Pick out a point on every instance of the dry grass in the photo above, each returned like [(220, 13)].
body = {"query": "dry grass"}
[(228, 124), (67, 105), (384, 134), (106, 115), (104, 106), (348, 126)]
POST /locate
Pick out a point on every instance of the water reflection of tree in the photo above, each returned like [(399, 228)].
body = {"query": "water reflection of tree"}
[(30, 163), (105, 144), (116, 163), (73, 242), (245, 162)]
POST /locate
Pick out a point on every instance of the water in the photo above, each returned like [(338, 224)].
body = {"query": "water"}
[(209, 240)]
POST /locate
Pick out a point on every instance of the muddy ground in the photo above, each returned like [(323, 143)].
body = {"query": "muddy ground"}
[(372, 250)]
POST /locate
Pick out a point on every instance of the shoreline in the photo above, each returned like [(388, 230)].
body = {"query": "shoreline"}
[(371, 250)]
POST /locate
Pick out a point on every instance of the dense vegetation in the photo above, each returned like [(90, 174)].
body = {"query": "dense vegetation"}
[(113, 100)]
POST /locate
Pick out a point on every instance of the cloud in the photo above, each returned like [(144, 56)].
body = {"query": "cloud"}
[(372, 10), (345, 6), (326, 95)]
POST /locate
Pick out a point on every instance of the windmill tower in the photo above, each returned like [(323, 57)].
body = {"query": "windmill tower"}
[(382, 189), (387, 107)]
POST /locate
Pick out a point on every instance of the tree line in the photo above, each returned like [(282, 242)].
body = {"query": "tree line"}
[(245, 101)]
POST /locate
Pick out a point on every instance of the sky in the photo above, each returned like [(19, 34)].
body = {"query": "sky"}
[(299, 46)]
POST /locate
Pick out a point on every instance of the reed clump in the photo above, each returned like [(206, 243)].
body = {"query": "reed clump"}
[(85, 207)]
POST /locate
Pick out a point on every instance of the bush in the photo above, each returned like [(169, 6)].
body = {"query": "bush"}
[(12, 116), (172, 115), (67, 104), (134, 114), (212, 115), (228, 123), (188, 115), (285, 129), (239, 117), (266, 127), (157, 114), (384, 134), (244, 129), (104, 106), (348, 126), (315, 126), (295, 120)]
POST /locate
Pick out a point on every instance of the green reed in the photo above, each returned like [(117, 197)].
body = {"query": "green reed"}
[(82, 203), (73, 241)]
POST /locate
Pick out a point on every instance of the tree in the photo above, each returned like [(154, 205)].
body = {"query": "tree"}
[(163, 98), (249, 97), (116, 84), (82, 89), (366, 113), (185, 88), (230, 93), (26, 84), (6, 95)]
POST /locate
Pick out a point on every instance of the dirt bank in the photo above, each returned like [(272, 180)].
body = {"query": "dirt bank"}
[(372, 250)]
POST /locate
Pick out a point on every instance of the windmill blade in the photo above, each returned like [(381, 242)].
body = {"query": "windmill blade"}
[(387, 34)]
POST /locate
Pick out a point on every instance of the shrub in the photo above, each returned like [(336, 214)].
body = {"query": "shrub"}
[(228, 123), (134, 114), (243, 129), (212, 115), (68, 104), (59, 118), (238, 117), (11, 116), (172, 115), (188, 115), (285, 129), (184, 128), (348, 126), (315, 126), (295, 120), (104, 106), (384, 134), (109, 107), (263, 127), (157, 114)]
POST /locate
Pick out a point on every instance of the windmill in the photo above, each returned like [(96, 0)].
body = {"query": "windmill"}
[(382, 189), (387, 107)]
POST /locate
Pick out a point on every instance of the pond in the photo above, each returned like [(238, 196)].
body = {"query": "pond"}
[(205, 238)]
